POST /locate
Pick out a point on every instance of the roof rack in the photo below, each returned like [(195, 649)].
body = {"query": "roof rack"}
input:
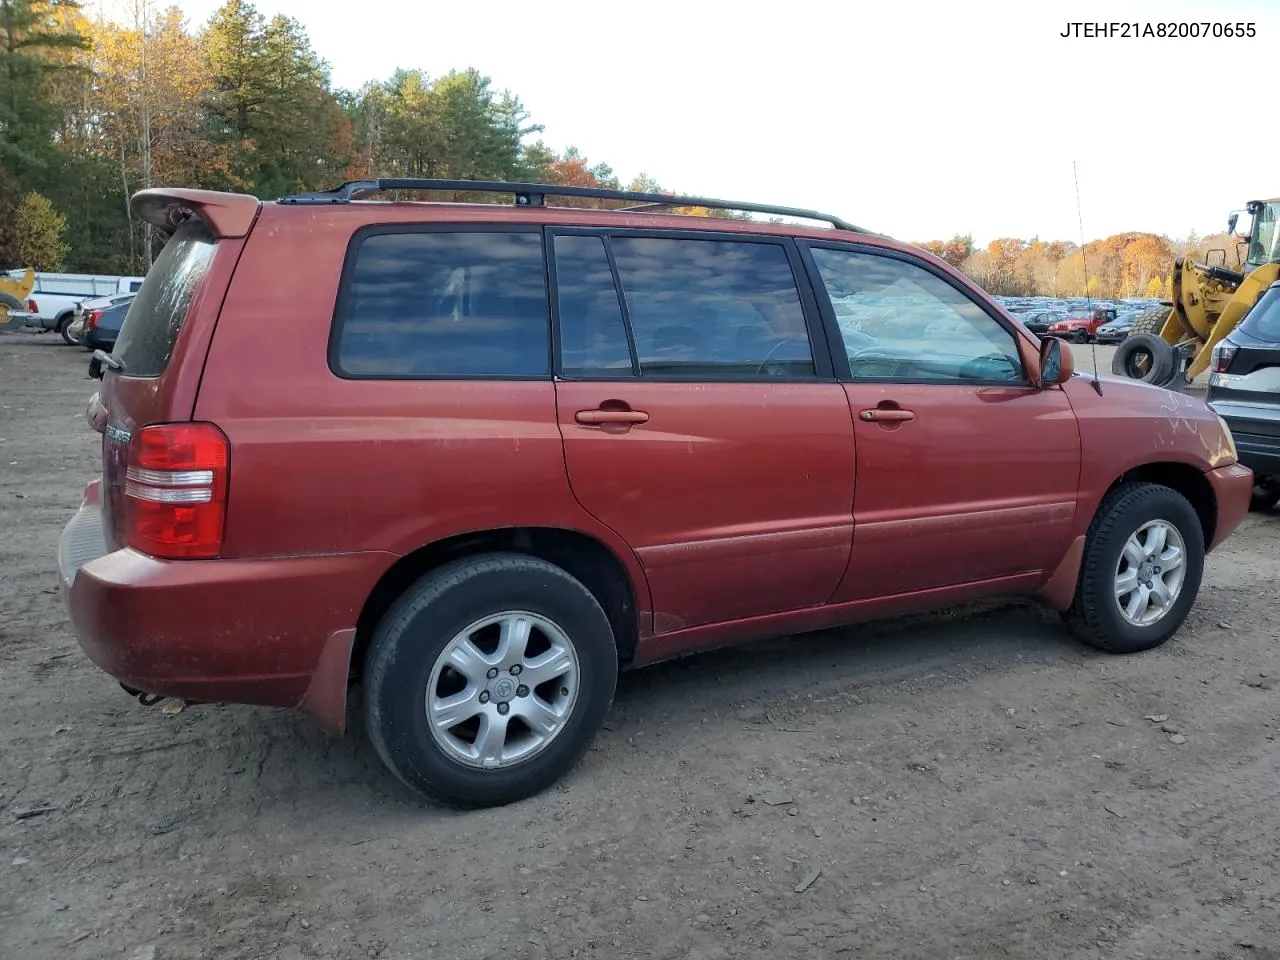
[(535, 194)]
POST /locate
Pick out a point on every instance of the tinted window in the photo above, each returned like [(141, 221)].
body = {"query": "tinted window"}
[(713, 308), (464, 304), (1263, 321), (157, 313), (593, 338), (901, 322)]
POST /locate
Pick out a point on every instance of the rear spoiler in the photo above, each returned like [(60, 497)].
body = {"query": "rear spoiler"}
[(227, 215)]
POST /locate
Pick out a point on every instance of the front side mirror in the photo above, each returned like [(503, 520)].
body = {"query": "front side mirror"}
[(1056, 362), (1234, 227)]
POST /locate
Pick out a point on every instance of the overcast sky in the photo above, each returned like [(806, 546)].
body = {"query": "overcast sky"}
[(917, 118)]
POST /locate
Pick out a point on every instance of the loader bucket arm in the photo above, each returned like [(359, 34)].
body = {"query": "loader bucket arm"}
[(1241, 302)]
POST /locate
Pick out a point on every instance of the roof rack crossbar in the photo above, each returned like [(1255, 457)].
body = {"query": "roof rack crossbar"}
[(535, 194)]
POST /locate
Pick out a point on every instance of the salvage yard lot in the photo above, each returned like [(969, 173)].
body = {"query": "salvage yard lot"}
[(969, 784)]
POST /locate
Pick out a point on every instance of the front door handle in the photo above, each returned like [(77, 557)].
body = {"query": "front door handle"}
[(881, 415), (594, 418)]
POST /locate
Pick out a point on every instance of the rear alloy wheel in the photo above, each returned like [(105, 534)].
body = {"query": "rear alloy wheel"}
[(1141, 570), (64, 328), (487, 680)]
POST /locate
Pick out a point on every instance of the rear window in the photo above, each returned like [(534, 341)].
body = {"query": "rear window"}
[(1263, 321), (443, 304), (158, 311)]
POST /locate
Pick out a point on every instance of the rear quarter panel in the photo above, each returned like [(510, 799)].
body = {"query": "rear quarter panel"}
[(321, 464)]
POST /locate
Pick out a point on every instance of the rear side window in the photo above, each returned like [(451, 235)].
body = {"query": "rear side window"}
[(1263, 321), (714, 308), (593, 335), (443, 304), (158, 311)]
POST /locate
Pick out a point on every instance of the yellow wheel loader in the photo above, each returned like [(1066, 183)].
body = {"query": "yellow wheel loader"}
[(1171, 345), (13, 299)]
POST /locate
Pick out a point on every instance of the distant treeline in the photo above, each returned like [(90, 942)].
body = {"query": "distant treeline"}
[(91, 111), (1124, 265)]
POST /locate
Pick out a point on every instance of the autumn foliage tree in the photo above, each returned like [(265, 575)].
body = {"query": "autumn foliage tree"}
[(38, 230)]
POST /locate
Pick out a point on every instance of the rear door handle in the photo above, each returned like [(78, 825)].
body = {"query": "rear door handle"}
[(597, 417), (887, 416)]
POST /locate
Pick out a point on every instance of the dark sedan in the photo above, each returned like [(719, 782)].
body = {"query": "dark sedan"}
[(1038, 321), (101, 327), (1118, 329), (1244, 389)]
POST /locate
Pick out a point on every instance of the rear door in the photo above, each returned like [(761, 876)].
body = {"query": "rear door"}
[(966, 472), (701, 420)]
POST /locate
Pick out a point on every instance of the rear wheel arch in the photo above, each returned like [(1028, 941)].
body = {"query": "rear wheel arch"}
[(581, 555)]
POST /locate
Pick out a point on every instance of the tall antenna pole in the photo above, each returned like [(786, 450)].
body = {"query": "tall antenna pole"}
[(1084, 265)]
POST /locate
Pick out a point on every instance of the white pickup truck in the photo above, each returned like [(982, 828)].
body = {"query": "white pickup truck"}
[(51, 305)]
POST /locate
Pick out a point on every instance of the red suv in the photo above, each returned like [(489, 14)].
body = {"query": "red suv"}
[(1082, 323), (477, 457)]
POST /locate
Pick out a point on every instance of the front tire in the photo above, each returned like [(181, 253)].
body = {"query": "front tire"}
[(488, 679), (1141, 570)]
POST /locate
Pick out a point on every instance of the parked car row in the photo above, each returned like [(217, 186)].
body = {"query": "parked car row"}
[(55, 298)]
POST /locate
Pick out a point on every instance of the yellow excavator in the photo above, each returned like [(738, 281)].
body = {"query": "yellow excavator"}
[(13, 298), (1172, 344)]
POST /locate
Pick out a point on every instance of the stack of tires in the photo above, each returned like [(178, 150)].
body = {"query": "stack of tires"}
[(1145, 355)]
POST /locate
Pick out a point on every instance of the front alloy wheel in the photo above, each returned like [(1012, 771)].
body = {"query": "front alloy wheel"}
[(1150, 573), (1141, 569)]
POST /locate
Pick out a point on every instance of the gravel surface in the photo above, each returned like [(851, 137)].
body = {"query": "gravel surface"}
[(973, 783)]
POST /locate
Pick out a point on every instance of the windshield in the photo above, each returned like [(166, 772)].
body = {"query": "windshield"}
[(1264, 244)]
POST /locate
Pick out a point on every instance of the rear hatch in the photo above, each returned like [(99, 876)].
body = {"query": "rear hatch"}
[(1244, 386), (156, 466)]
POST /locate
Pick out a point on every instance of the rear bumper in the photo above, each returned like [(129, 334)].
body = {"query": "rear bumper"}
[(1232, 489), (1255, 428), (273, 632)]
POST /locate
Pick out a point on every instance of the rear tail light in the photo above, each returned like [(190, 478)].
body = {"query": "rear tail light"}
[(1222, 356), (33, 307), (91, 321), (175, 491)]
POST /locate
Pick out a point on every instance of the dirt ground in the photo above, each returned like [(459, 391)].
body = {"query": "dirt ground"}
[(969, 784)]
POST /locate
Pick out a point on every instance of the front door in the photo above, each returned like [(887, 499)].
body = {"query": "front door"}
[(966, 472), (699, 421)]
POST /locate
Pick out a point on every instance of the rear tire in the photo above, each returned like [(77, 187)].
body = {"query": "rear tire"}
[(64, 328), (1266, 494), (1106, 616), (489, 755)]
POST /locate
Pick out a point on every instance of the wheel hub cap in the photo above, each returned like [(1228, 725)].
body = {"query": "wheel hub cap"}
[(504, 688), (1150, 573)]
